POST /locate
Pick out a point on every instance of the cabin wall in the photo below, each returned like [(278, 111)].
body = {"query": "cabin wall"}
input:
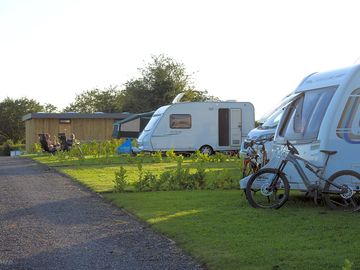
[(84, 129)]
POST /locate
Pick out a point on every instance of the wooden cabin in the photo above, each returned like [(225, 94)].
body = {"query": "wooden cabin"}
[(85, 126)]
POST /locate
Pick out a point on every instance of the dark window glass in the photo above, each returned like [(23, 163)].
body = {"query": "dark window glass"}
[(180, 121), (305, 114)]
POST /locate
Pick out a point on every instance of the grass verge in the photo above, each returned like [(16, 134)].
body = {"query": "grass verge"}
[(220, 229)]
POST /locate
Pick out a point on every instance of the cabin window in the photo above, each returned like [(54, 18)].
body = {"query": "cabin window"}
[(305, 114), (180, 121), (65, 121)]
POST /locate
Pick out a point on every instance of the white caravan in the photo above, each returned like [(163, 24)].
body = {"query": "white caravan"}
[(324, 116), (266, 131), (205, 126)]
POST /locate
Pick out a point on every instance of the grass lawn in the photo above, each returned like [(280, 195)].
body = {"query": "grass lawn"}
[(220, 229)]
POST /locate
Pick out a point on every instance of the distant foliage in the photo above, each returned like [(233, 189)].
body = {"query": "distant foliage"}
[(160, 81), (108, 100), (9, 146), (11, 112)]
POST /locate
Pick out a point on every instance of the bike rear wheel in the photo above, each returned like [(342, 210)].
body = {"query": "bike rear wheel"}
[(268, 188), (341, 190)]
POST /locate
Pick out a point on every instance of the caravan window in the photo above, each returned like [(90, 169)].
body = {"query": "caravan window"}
[(273, 120), (180, 121), (305, 114), (349, 125)]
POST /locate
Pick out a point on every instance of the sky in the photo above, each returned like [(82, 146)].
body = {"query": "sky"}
[(256, 51)]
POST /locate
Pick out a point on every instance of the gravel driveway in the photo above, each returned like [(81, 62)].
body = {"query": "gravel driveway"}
[(47, 221)]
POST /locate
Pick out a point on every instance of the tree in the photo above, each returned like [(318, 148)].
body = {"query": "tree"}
[(160, 81), (11, 110), (195, 95), (108, 100), (49, 108)]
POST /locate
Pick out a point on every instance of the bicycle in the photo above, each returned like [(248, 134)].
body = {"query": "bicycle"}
[(270, 188), (252, 159)]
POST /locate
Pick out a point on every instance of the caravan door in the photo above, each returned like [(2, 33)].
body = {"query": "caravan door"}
[(235, 127), (229, 127)]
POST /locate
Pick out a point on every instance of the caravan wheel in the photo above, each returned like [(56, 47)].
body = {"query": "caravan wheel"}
[(206, 149)]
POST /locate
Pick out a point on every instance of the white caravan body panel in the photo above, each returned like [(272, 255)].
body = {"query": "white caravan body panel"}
[(328, 119), (187, 126)]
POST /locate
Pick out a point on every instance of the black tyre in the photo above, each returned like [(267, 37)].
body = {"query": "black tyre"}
[(206, 149), (342, 190), (261, 194)]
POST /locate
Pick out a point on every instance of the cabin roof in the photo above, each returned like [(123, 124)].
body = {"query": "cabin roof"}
[(74, 115)]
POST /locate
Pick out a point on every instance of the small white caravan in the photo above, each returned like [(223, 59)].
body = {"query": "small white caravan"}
[(324, 116), (205, 126)]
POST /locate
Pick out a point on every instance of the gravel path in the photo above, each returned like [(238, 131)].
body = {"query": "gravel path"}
[(47, 221)]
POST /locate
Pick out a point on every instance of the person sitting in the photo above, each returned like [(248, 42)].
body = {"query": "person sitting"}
[(71, 141), (63, 142), (46, 143)]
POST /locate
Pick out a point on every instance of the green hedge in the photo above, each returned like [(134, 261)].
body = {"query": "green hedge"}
[(6, 147)]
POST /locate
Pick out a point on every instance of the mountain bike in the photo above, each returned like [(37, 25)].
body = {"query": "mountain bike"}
[(270, 188), (255, 158)]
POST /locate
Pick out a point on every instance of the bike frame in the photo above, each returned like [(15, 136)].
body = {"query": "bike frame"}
[(294, 159)]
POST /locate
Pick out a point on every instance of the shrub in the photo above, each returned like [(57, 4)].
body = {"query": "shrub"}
[(197, 156), (170, 154), (120, 180), (199, 176), (347, 265), (147, 182), (37, 148), (164, 180), (9, 146), (157, 157), (218, 157)]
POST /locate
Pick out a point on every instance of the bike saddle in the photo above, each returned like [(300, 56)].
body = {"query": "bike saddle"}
[(329, 152)]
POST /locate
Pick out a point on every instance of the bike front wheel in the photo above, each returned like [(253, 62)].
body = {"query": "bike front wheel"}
[(268, 188), (342, 190)]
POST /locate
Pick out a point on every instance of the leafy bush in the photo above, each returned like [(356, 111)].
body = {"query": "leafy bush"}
[(347, 265), (36, 148), (147, 182), (157, 157), (218, 157), (170, 154), (199, 176), (198, 156), (9, 146), (163, 181), (221, 180), (120, 180)]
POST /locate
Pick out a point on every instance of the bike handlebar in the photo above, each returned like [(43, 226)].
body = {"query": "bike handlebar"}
[(259, 142)]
